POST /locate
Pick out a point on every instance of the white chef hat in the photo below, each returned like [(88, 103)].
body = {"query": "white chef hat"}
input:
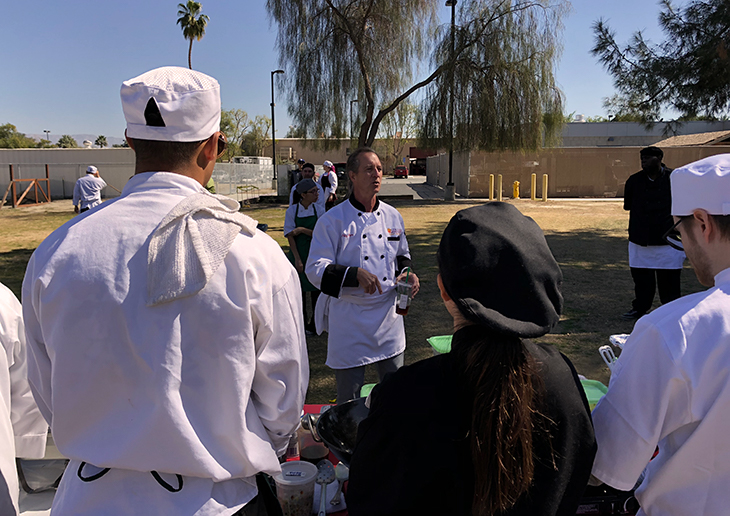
[(703, 184), (327, 163), (171, 104), (91, 169)]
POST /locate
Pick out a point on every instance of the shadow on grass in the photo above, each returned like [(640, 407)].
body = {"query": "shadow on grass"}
[(12, 268)]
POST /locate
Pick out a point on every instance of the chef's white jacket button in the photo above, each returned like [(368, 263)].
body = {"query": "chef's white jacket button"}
[(366, 257), (382, 256), (385, 279), (380, 236), (364, 235)]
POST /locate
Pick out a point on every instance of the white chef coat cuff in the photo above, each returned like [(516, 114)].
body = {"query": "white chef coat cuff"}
[(31, 446)]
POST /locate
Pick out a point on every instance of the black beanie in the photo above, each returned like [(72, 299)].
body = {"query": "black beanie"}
[(497, 267)]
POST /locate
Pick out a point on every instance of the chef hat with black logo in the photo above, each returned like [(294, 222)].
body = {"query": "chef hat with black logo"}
[(171, 104), (497, 267)]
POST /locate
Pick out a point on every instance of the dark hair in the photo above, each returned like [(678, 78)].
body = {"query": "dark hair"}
[(722, 221), (353, 160), (652, 151), (308, 165), (723, 224), (501, 380), (168, 154)]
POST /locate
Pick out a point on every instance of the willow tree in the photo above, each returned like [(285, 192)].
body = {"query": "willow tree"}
[(381, 52), (688, 72), (193, 23)]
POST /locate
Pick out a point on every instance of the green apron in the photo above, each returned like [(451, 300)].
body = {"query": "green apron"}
[(303, 243)]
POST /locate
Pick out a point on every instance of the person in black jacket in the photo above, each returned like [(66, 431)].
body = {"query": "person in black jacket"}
[(500, 425), (648, 199)]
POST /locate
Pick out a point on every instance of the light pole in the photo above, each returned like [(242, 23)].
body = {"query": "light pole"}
[(273, 130), (351, 102), (48, 137), (449, 193)]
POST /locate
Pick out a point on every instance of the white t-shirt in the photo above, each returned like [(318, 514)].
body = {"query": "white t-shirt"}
[(87, 191), (671, 388), (208, 386)]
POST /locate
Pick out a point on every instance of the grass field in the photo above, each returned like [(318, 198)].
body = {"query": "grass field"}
[(588, 239)]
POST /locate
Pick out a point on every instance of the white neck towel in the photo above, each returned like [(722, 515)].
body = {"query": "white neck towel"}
[(190, 243)]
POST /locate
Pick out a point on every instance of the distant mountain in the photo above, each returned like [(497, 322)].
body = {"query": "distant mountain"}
[(111, 140)]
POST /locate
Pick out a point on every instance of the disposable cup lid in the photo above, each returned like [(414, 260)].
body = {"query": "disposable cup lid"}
[(441, 343), (296, 473)]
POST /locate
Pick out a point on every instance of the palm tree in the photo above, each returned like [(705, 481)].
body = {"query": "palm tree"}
[(193, 24)]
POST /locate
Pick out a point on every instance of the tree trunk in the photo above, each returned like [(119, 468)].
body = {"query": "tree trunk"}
[(190, 54)]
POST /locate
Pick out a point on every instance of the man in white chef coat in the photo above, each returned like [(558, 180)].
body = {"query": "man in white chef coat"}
[(166, 331), (358, 253), (23, 430), (308, 173), (87, 190), (671, 385)]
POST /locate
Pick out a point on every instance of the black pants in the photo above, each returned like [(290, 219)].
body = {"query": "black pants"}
[(646, 282), (265, 503), (309, 321)]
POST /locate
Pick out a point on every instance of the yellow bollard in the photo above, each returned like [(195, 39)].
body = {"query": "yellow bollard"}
[(544, 187), (499, 187), (491, 187), (516, 190), (533, 186)]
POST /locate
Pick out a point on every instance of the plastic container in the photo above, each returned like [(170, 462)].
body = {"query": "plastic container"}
[(404, 294), (440, 344), (295, 488), (365, 390), (594, 390)]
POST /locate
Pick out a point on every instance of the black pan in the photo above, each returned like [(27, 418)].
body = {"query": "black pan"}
[(337, 428)]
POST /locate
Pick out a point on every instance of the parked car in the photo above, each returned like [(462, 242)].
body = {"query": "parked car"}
[(400, 172)]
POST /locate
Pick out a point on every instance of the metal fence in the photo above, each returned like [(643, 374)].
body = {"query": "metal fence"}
[(243, 181)]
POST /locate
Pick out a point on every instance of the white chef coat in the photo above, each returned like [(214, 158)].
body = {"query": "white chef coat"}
[(23, 430), (208, 386), (655, 257), (291, 214), (671, 388), (87, 191), (332, 175), (320, 200), (363, 328)]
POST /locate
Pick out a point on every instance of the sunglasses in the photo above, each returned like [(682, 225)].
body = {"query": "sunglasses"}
[(673, 237), (222, 144)]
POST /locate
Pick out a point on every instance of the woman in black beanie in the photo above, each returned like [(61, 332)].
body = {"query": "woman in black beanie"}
[(499, 426)]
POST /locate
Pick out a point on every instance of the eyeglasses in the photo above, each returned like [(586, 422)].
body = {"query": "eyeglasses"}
[(222, 144), (673, 236), (313, 191)]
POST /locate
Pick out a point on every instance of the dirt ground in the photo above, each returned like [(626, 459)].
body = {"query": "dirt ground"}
[(587, 237)]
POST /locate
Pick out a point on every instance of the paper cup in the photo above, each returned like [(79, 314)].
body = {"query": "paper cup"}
[(295, 488)]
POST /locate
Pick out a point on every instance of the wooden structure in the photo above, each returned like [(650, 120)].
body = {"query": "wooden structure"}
[(40, 196)]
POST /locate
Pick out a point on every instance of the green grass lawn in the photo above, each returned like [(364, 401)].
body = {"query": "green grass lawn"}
[(588, 239)]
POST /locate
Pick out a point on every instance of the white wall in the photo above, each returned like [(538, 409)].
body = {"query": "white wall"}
[(65, 166)]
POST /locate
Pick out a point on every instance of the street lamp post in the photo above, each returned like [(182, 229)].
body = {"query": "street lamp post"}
[(449, 192), (351, 102), (48, 137), (273, 129)]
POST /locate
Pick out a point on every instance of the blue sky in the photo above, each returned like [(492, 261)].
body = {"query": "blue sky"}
[(63, 62)]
